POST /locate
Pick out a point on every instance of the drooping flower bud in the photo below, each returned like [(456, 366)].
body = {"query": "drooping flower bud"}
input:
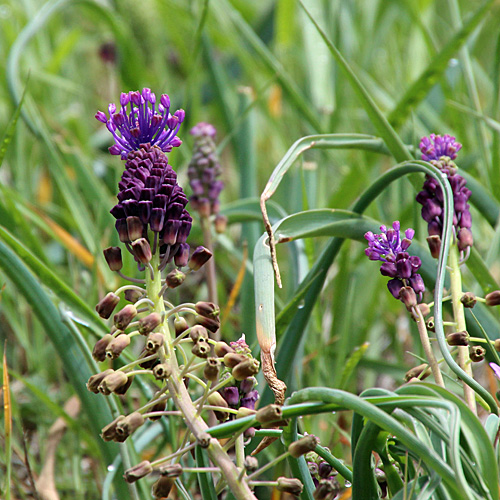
[(198, 333), (113, 256), (221, 349), (95, 380), (246, 368), (162, 371), (477, 353), (209, 323), (326, 490), (180, 325), (207, 309), (149, 323), (201, 349), (139, 471), (290, 485), (134, 228), (117, 345), (199, 258), (268, 414), (231, 395), (124, 317), (408, 297), (434, 243), (420, 372), (215, 399), (231, 359), (171, 470), (212, 369), (154, 341), (162, 487), (112, 382), (107, 305), (458, 338), (251, 464), (493, 298), (127, 426), (175, 278), (142, 250), (468, 300), (133, 295), (303, 445), (99, 351), (108, 433)]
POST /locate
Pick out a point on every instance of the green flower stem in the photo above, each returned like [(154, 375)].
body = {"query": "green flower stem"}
[(182, 399), (424, 339), (459, 315)]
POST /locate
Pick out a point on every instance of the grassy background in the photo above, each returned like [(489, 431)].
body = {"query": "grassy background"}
[(262, 74)]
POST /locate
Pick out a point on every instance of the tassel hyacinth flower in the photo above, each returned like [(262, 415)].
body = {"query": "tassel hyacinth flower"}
[(389, 248)]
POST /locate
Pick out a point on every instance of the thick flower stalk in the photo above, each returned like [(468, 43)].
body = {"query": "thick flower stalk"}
[(174, 340)]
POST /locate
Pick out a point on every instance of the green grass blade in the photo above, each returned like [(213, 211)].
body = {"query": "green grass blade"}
[(7, 412), (204, 480), (434, 71), (381, 124)]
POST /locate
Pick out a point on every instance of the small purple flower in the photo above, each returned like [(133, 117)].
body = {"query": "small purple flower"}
[(144, 123), (389, 248), (435, 146), (203, 171), (440, 151)]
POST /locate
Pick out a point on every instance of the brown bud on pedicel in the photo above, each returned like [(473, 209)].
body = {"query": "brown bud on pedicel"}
[(133, 295), (303, 445), (198, 333), (180, 326), (160, 406), (430, 324), (117, 345), (458, 338), (207, 309), (231, 359), (201, 349), (171, 470), (199, 258), (419, 372), (212, 369), (493, 298), (268, 414), (108, 432), (142, 250), (162, 371), (139, 471), (126, 427), (243, 412), (99, 351), (326, 490), (477, 353), (112, 382), (149, 323), (424, 309), (175, 278), (290, 485), (251, 464), (468, 300), (125, 387), (154, 342), (124, 317), (106, 306), (221, 349), (434, 243), (95, 380), (464, 239), (113, 256), (246, 369), (204, 439)]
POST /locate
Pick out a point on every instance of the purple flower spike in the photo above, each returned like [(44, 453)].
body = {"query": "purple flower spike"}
[(397, 263), (204, 169), (440, 151), (143, 123), (435, 146)]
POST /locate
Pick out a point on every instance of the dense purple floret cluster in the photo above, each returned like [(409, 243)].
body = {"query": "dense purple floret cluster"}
[(144, 123), (440, 151), (389, 248), (203, 171), (149, 192), (436, 146)]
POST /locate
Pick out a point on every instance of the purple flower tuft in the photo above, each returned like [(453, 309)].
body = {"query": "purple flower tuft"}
[(496, 370), (435, 146), (390, 249), (144, 123)]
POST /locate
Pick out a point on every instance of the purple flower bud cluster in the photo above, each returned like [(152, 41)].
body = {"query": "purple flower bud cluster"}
[(397, 263), (203, 171), (440, 151), (323, 476), (145, 123)]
